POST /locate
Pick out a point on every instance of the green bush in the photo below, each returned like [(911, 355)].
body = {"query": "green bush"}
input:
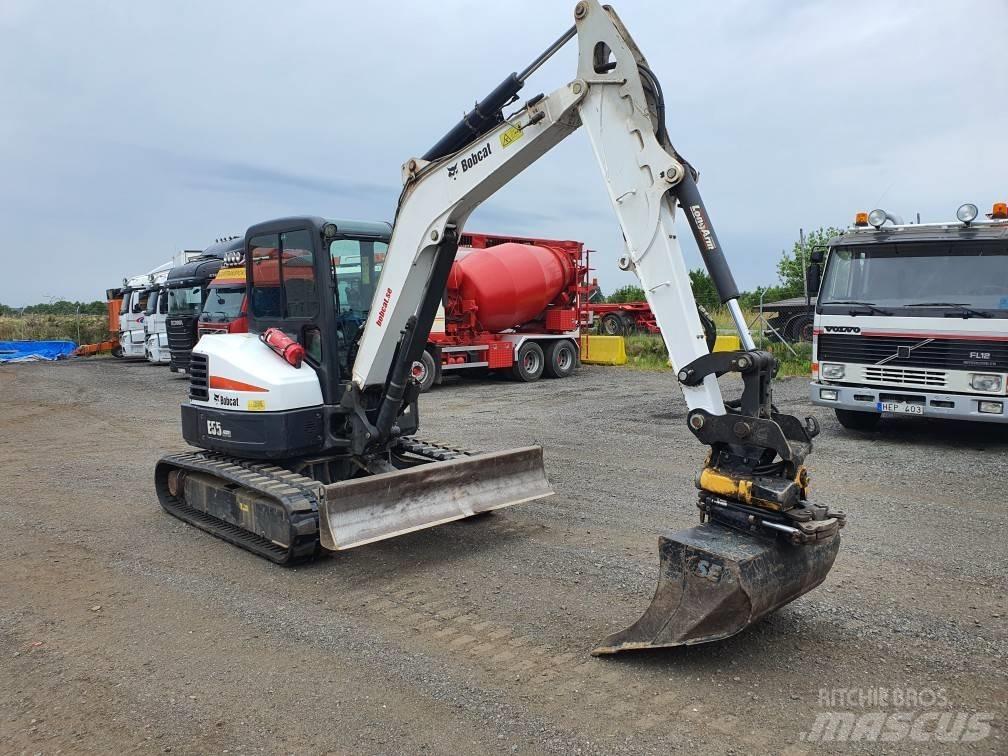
[(629, 293)]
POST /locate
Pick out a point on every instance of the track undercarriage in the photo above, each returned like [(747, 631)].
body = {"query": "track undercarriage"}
[(288, 513)]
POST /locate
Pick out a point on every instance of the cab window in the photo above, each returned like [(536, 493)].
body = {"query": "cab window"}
[(356, 267), (283, 279)]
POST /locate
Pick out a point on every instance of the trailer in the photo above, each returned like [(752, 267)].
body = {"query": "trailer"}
[(622, 318), (789, 319)]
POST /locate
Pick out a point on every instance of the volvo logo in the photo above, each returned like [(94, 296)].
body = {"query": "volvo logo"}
[(842, 329)]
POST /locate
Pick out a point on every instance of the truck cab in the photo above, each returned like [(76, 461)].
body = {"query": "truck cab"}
[(226, 306), (155, 326), (135, 295), (912, 319)]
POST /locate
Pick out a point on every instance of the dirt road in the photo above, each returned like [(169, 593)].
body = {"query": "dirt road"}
[(124, 630)]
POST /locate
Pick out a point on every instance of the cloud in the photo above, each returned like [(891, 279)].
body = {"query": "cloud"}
[(133, 130)]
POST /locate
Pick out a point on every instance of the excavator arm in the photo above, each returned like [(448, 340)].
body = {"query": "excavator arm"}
[(443, 188), (761, 543)]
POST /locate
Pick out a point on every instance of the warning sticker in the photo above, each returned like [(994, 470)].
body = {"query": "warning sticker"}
[(510, 136), (256, 405)]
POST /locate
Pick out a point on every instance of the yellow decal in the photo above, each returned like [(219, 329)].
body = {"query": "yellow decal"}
[(243, 506), (509, 137), (231, 274), (256, 405)]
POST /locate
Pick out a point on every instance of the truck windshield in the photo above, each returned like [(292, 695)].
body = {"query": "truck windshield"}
[(224, 301), (941, 274), (185, 300)]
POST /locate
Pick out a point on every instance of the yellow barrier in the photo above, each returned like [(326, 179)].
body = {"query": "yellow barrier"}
[(603, 350), (727, 344)]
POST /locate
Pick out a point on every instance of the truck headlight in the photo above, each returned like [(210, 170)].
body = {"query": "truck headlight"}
[(985, 382), (829, 395), (831, 371), (991, 408)]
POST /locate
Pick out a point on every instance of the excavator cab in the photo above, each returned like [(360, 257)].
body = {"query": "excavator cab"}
[(297, 284)]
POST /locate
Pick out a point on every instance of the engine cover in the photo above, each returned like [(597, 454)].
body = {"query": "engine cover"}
[(240, 373)]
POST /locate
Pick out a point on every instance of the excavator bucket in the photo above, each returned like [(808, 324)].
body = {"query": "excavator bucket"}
[(363, 510), (715, 581)]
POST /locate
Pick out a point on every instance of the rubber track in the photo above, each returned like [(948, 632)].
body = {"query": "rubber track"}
[(297, 494)]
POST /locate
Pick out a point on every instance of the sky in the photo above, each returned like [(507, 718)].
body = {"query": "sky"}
[(132, 130)]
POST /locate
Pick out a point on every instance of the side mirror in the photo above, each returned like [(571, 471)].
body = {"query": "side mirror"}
[(813, 276), (818, 255)]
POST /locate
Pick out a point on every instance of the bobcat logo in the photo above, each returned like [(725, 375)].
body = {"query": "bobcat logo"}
[(453, 171)]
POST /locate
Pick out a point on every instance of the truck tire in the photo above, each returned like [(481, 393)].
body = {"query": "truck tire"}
[(612, 325), (561, 358), (529, 363), (424, 371), (799, 328), (859, 421)]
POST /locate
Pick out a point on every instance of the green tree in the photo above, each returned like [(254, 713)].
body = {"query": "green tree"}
[(704, 291), (64, 307), (790, 270), (629, 293)]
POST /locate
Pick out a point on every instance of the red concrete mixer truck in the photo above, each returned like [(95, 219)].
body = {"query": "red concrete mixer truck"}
[(512, 305)]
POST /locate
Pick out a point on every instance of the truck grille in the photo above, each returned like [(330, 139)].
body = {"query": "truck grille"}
[(913, 352), (181, 330), (906, 376), (198, 381)]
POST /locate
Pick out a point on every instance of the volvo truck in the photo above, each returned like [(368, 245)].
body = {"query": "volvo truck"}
[(912, 319)]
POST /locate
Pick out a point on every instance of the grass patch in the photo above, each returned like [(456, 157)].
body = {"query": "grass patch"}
[(93, 328), (648, 352)]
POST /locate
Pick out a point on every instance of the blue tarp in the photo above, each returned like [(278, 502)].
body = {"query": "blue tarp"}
[(29, 351)]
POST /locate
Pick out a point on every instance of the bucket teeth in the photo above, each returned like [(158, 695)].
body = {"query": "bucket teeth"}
[(715, 581)]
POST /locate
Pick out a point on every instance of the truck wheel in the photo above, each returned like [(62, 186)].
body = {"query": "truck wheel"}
[(424, 371), (860, 421), (799, 328), (561, 358), (529, 363), (611, 325)]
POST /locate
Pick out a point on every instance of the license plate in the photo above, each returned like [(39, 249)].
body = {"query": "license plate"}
[(906, 409)]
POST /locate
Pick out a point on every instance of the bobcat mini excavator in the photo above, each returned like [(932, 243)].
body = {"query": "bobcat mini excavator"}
[(307, 428)]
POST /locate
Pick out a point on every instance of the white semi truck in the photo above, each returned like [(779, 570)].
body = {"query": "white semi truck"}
[(912, 319), (134, 332)]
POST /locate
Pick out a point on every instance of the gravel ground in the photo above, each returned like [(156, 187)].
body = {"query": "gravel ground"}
[(122, 629)]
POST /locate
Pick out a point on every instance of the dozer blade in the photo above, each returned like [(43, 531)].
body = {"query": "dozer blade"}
[(715, 581), (363, 510)]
